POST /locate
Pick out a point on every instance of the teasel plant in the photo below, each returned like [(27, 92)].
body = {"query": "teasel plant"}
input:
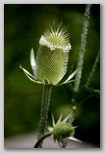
[(50, 69), (61, 131)]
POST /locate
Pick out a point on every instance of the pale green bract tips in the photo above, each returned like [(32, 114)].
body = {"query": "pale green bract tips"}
[(33, 62)]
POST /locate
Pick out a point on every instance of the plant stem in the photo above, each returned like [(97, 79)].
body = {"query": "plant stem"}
[(44, 110), (93, 69), (41, 139), (82, 47), (64, 143)]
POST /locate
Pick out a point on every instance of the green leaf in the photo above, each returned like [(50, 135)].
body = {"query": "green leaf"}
[(33, 62), (82, 95), (66, 76), (85, 93), (29, 75)]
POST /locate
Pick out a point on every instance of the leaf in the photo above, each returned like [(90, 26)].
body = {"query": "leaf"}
[(83, 94), (66, 118), (29, 75), (65, 76), (33, 62), (68, 82), (74, 139), (53, 121), (71, 76), (60, 118)]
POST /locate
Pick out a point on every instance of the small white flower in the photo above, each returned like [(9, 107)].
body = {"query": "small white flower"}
[(52, 47)]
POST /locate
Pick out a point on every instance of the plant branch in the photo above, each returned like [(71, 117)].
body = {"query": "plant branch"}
[(64, 143), (82, 47), (93, 69), (41, 139)]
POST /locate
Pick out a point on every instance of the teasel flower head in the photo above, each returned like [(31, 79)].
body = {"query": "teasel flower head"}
[(50, 66), (62, 130)]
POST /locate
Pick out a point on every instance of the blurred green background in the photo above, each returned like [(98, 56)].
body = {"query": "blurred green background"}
[(23, 26)]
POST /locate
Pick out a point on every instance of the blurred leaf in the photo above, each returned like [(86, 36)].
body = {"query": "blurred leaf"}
[(82, 95)]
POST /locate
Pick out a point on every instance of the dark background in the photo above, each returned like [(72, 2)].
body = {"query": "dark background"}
[(23, 26)]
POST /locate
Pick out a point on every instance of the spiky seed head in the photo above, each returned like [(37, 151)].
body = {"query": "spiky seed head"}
[(62, 130), (52, 57)]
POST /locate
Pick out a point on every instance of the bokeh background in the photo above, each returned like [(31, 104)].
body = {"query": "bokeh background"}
[(23, 26)]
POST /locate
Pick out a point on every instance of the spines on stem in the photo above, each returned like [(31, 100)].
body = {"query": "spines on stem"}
[(44, 109)]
